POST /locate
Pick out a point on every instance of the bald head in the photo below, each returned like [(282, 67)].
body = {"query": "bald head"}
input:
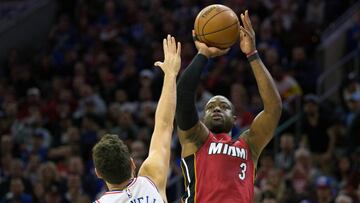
[(220, 98), (219, 114)]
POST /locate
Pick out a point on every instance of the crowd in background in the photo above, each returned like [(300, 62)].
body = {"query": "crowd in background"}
[(96, 76)]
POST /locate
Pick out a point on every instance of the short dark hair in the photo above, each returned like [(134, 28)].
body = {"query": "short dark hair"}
[(112, 159)]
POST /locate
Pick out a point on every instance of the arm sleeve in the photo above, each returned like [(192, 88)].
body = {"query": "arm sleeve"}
[(186, 114)]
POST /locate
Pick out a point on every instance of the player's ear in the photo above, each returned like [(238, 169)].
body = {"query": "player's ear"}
[(97, 174), (234, 119)]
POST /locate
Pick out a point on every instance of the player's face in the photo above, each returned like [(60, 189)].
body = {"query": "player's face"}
[(219, 116)]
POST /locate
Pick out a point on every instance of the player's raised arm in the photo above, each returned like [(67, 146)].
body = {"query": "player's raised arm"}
[(192, 133), (156, 165), (263, 127)]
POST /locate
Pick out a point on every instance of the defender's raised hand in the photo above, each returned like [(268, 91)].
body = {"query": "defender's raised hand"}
[(172, 60), (247, 34)]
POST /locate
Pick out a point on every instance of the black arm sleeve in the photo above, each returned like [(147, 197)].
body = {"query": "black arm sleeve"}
[(186, 114)]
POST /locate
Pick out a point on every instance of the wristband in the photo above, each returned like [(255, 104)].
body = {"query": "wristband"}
[(252, 55)]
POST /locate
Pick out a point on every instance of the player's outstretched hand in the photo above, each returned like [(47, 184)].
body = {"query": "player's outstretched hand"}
[(247, 34), (172, 60), (209, 52)]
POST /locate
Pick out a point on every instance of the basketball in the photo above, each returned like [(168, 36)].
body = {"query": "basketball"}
[(217, 26)]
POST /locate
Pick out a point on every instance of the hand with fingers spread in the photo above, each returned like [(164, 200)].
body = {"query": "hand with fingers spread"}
[(247, 35), (209, 52), (172, 60)]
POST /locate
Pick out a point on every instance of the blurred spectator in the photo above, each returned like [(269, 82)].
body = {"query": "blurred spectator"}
[(53, 194), (315, 12), (240, 101), (6, 145), (203, 96), (257, 195), (31, 170), (48, 176), (302, 173), (285, 158), (125, 128), (353, 37), (16, 172), (174, 175), (324, 190), (354, 120), (287, 86), (343, 173), (89, 103), (88, 183), (357, 192), (266, 164), (39, 193), (33, 100), (5, 168), (74, 188), (275, 184), (268, 197), (316, 127), (350, 86), (303, 69), (353, 107), (16, 192), (138, 153), (343, 199), (32, 124), (69, 145)]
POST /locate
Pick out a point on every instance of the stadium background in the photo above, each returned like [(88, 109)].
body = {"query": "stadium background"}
[(72, 70)]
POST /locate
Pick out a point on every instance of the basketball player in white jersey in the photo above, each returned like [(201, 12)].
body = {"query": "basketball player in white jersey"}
[(111, 157)]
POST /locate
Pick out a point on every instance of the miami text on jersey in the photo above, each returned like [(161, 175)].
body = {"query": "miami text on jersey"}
[(222, 148)]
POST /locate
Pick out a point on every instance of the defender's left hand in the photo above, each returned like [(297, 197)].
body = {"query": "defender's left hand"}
[(172, 60)]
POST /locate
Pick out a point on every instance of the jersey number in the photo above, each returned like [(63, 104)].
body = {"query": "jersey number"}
[(242, 171)]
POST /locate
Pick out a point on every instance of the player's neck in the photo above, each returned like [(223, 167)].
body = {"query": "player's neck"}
[(121, 186)]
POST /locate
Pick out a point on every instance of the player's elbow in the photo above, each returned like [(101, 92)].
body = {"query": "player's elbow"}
[(277, 103), (164, 124), (278, 106), (274, 109), (277, 109)]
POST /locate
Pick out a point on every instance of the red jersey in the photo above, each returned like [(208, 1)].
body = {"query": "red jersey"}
[(222, 170)]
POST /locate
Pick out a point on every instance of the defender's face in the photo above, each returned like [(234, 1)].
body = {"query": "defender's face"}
[(219, 116)]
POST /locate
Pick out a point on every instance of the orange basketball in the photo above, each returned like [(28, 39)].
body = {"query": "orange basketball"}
[(217, 26)]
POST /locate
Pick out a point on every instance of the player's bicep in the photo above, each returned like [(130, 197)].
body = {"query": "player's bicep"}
[(156, 169), (192, 139), (261, 132), (156, 165)]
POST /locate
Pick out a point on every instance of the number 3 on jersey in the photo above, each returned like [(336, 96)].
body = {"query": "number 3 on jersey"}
[(242, 171)]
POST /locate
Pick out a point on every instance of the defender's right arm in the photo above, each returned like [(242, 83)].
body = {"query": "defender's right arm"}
[(191, 131)]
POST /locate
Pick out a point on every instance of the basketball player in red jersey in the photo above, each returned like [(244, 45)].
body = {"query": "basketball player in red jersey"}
[(215, 167)]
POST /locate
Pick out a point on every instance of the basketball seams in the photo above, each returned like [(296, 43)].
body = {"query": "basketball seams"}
[(228, 23), (202, 35), (220, 29), (203, 27), (218, 43)]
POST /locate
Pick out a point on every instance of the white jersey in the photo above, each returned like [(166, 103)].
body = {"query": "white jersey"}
[(140, 190)]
